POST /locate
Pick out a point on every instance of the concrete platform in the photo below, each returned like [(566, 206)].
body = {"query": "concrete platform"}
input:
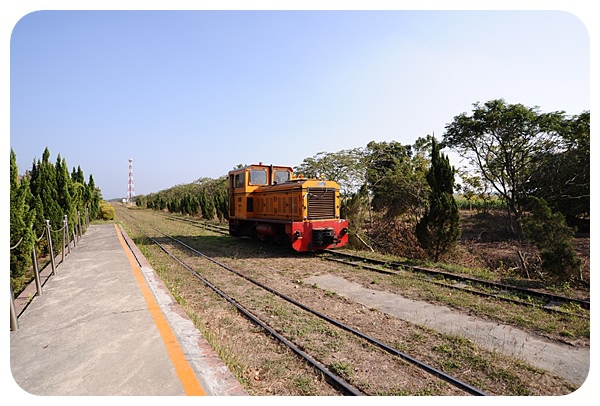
[(105, 324)]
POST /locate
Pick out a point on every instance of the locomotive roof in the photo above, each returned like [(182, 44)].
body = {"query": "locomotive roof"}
[(262, 166)]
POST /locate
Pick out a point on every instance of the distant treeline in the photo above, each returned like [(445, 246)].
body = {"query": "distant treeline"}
[(205, 197), (45, 192)]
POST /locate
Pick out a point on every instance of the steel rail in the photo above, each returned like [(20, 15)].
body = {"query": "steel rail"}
[(427, 368), (212, 227)]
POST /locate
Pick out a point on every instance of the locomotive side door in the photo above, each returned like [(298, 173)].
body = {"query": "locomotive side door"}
[(232, 210)]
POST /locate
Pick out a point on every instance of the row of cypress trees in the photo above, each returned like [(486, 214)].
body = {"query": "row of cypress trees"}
[(46, 192), (207, 204), (205, 197)]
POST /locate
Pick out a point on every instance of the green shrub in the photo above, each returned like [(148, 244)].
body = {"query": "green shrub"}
[(550, 233), (107, 212)]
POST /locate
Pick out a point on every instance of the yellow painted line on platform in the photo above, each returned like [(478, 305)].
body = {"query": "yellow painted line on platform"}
[(184, 371)]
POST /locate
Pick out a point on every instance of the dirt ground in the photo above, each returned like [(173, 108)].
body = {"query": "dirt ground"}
[(485, 243)]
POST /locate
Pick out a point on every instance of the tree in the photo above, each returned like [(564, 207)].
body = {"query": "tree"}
[(439, 229), (346, 167), (207, 206), (95, 198), (503, 142), (222, 205), (563, 180), (396, 180), (36, 199), (64, 189), (77, 175)]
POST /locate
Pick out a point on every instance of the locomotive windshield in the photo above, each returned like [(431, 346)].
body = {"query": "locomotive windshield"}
[(258, 177), (239, 180), (282, 176)]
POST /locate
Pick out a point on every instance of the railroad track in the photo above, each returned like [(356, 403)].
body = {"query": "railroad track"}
[(203, 224), (509, 293), (527, 297), (335, 380)]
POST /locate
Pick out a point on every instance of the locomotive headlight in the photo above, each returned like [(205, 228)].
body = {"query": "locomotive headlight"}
[(344, 231), (298, 235)]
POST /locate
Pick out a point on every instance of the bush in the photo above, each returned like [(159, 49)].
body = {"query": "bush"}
[(107, 212), (551, 235)]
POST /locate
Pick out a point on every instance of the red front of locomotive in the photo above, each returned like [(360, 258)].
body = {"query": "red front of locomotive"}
[(318, 235)]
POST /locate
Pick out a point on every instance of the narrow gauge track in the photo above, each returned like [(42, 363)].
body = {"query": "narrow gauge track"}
[(335, 379), (392, 268), (204, 224)]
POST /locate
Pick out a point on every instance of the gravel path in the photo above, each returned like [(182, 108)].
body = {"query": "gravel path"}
[(568, 362)]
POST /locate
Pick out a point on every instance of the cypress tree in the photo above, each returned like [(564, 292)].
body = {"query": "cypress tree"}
[(47, 190), (439, 229), (185, 205), (86, 197), (207, 206), (94, 199), (194, 205), (221, 205), (21, 218), (64, 192), (77, 191), (14, 172), (77, 175), (39, 226)]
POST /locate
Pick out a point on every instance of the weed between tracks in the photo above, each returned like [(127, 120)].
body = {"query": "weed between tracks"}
[(265, 367)]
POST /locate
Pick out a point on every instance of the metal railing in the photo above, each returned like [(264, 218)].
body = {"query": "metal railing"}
[(77, 233)]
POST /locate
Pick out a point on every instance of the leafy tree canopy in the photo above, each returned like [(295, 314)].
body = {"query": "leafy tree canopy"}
[(504, 142), (396, 178)]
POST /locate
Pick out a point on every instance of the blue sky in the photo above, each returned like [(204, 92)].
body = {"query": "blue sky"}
[(190, 94)]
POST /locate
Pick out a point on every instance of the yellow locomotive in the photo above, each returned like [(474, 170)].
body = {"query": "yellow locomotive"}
[(269, 203)]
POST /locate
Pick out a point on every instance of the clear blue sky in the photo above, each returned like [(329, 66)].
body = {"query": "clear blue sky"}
[(190, 94)]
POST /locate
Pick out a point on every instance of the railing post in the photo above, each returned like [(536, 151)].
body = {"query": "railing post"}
[(67, 234), (63, 237), (74, 238), (50, 246), (36, 271), (14, 323), (79, 222)]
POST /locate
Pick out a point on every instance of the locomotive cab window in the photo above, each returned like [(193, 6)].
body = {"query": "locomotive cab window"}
[(239, 180), (282, 176), (258, 177)]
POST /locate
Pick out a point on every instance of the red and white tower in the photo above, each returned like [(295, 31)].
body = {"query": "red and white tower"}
[(130, 189)]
